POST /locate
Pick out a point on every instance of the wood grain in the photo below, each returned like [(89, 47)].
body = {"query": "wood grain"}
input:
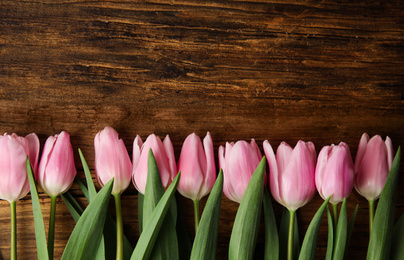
[(270, 70)]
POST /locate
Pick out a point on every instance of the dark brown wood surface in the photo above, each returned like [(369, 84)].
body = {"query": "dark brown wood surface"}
[(321, 71)]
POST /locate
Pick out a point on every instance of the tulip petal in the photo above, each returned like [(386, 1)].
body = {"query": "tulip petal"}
[(273, 171), (361, 151)]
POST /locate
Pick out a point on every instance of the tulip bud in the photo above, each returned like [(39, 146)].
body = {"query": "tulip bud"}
[(56, 170), (335, 172), (238, 162), (13, 156), (112, 160), (291, 173), (372, 165), (197, 167), (163, 153)]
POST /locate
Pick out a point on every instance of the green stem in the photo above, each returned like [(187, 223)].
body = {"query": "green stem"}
[(13, 253), (51, 231), (196, 213), (292, 215), (119, 227), (371, 214), (334, 215)]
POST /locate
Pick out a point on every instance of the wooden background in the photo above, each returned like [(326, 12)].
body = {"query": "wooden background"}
[(321, 71)]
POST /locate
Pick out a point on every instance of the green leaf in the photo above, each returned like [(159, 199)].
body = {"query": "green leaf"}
[(245, 229), (351, 226), (330, 242), (90, 184), (72, 205), (85, 239), (283, 236), (151, 229), (140, 198), (83, 188), (40, 236), (308, 249), (397, 248), (271, 231), (166, 246), (340, 234), (182, 233), (381, 235), (205, 242)]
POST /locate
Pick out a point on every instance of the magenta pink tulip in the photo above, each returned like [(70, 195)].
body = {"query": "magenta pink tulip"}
[(238, 162), (372, 165), (197, 167), (112, 160), (56, 170), (164, 155), (291, 173), (335, 173), (13, 156)]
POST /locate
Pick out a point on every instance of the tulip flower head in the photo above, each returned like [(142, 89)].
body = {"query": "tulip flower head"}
[(57, 170), (291, 173), (372, 165), (163, 152), (112, 160), (335, 172), (238, 162), (197, 167), (13, 169)]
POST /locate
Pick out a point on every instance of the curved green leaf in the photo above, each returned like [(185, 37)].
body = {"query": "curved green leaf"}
[(40, 236), (308, 249), (397, 248), (245, 230), (85, 239), (271, 231), (151, 229), (205, 242), (330, 242), (340, 234), (381, 235)]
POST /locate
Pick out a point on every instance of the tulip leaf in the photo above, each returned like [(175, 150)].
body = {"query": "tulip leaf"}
[(166, 246), (90, 184), (151, 229), (205, 242), (72, 205), (271, 231), (245, 229), (85, 239), (330, 242), (397, 248), (82, 187), (182, 233), (283, 236), (40, 236), (340, 234), (308, 249), (351, 226), (382, 230), (140, 198)]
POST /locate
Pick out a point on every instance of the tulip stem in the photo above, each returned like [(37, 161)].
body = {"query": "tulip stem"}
[(334, 215), (119, 227), (51, 231), (371, 214), (13, 253), (292, 215), (196, 213)]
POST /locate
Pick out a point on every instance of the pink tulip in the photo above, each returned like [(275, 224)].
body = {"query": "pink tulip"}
[(238, 162), (57, 170), (197, 167), (112, 160), (13, 156), (335, 172), (164, 155), (291, 173), (372, 165)]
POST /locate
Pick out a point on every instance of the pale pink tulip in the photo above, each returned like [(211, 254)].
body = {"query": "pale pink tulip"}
[(335, 172), (197, 167), (163, 153), (56, 170), (372, 165), (238, 162), (291, 173), (112, 160), (13, 170)]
